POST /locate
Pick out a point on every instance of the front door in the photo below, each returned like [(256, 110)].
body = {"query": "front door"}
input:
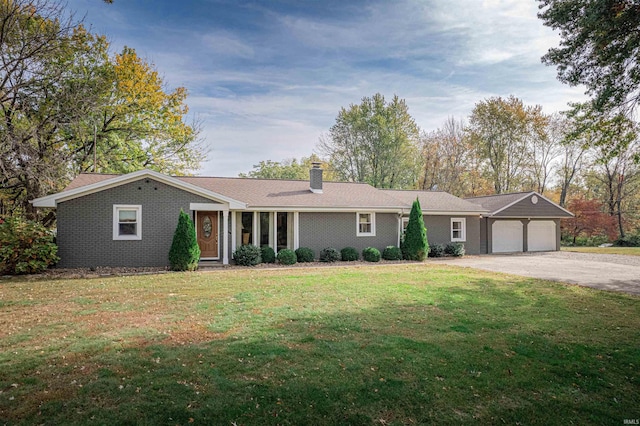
[(207, 234)]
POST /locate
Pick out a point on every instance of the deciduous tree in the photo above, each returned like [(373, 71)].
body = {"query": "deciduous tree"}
[(374, 142), (590, 220), (501, 130), (65, 101)]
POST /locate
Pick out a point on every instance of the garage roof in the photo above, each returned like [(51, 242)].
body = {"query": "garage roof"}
[(520, 204)]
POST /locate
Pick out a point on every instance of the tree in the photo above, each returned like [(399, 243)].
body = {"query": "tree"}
[(449, 162), (599, 48), (292, 169), (374, 142), (590, 220), (544, 147), (185, 252), (501, 130), (573, 149), (66, 105), (414, 243)]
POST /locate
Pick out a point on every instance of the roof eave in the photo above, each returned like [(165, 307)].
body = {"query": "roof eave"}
[(53, 199)]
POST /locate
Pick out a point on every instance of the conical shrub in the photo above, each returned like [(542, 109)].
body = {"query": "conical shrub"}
[(184, 253), (415, 245)]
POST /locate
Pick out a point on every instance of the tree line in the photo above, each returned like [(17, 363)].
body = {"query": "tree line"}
[(503, 146)]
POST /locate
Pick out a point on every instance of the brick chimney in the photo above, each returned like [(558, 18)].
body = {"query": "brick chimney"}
[(315, 178)]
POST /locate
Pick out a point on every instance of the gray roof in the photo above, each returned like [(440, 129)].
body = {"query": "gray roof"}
[(272, 193), (435, 201), (493, 203), (266, 193), (520, 204)]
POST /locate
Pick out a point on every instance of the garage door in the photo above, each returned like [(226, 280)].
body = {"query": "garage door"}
[(506, 236), (541, 235)]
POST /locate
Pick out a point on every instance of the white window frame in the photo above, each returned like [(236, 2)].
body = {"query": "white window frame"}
[(463, 229), (116, 222), (373, 225)]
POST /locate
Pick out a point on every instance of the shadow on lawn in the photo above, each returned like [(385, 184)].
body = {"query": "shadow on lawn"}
[(485, 354)]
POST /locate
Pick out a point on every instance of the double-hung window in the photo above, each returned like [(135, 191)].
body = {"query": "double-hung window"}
[(458, 229), (127, 222), (366, 224)]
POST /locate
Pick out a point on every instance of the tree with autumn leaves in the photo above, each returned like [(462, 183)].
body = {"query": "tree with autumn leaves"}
[(68, 105)]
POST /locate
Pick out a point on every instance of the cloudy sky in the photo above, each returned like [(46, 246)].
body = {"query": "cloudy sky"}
[(267, 78)]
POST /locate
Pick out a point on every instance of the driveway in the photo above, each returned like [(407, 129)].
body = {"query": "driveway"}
[(602, 271)]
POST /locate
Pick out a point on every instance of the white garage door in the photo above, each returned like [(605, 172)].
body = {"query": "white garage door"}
[(541, 235), (506, 236)]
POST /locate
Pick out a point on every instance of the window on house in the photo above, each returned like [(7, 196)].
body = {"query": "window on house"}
[(458, 229), (127, 222), (366, 223)]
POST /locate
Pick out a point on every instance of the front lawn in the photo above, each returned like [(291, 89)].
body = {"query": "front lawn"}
[(631, 251), (369, 345)]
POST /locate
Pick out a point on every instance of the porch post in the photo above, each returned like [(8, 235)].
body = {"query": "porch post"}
[(296, 230), (233, 231), (254, 231), (275, 232), (225, 237)]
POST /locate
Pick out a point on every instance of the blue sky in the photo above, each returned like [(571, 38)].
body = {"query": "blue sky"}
[(267, 78)]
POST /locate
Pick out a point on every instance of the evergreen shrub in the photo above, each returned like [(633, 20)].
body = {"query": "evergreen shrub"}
[(392, 253), (454, 249), (287, 257), (436, 250), (371, 254), (184, 253), (305, 254), (248, 255), (349, 254), (329, 254), (414, 243), (267, 254)]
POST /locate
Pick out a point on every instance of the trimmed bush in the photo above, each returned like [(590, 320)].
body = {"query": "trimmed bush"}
[(371, 254), (267, 254), (305, 254), (329, 254), (184, 253), (454, 249), (248, 255), (287, 257), (628, 241), (436, 250), (349, 254), (25, 247), (392, 253), (414, 242)]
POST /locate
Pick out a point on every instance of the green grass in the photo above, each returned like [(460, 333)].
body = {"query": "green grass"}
[(402, 344), (631, 251)]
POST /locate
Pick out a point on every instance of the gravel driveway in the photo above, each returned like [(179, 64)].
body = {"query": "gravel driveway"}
[(602, 271)]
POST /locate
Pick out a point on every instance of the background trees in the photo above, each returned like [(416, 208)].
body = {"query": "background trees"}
[(374, 142), (67, 106), (291, 168)]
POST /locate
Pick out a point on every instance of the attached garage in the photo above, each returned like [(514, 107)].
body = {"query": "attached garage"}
[(525, 221), (507, 236), (542, 235)]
